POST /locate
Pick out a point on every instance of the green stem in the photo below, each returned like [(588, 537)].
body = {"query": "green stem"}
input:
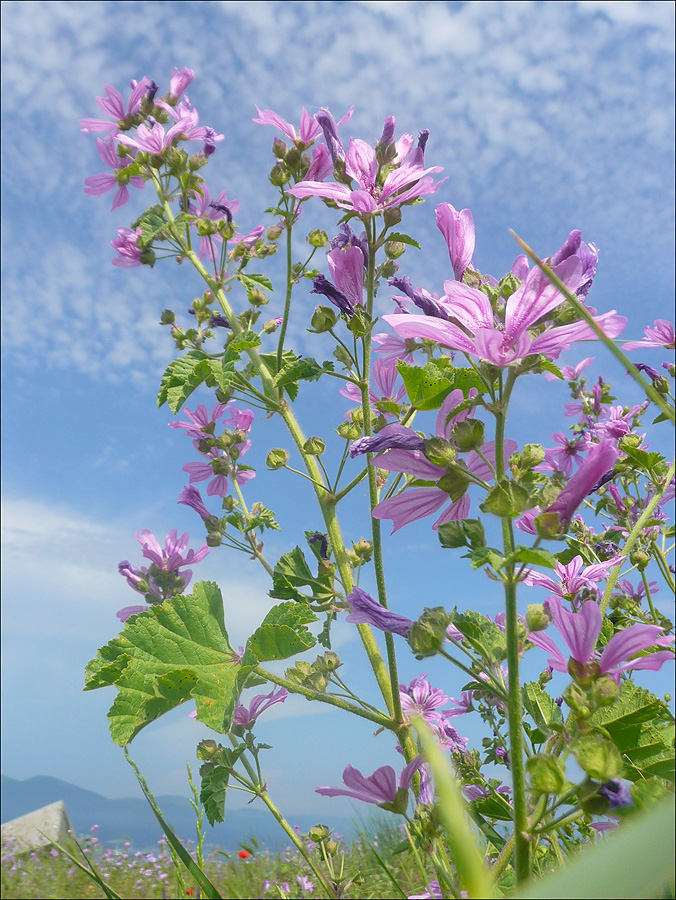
[(289, 291), (584, 313), (514, 705), (300, 846), (293, 687), (646, 585), (635, 534)]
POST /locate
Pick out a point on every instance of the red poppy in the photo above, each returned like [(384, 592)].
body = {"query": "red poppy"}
[(189, 892), (243, 854)]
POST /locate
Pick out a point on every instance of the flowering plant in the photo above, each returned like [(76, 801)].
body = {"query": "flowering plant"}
[(428, 437)]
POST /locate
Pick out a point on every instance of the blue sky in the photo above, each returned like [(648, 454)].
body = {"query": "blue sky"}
[(546, 117)]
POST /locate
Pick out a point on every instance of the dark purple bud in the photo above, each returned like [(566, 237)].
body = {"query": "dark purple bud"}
[(152, 90), (319, 538), (218, 321), (364, 610), (324, 287), (604, 479), (617, 793), (653, 374), (559, 702), (392, 437), (209, 141), (387, 136), (422, 139), (420, 297), (328, 125), (221, 207), (606, 550)]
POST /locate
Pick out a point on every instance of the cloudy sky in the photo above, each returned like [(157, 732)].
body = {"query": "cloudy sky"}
[(546, 116)]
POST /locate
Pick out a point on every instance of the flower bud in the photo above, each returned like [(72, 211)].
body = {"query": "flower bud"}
[(292, 158), (394, 249), (274, 231), (257, 297), (360, 323), (598, 756), (214, 539), (468, 435), (147, 258), (331, 661), (363, 549), (207, 749), (439, 451), (168, 317), (279, 148), (606, 691), (318, 238), (547, 774), (323, 319), (392, 216), (331, 847), (279, 175), (319, 833), (531, 455), (454, 483), (639, 558), (388, 269), (577, 700), (276, 458), (537, 617), (349, 430), (508, 285), (314, 446), (270, 326), (629, 442), (428, 634)]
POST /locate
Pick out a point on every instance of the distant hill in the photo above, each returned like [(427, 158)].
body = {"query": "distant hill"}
[(131, 819)]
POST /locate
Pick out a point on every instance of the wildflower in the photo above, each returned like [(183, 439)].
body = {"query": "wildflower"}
[(243, 854), (406, 181), (560, 459), (420, 699), (391, 437), (617, 793), (113, 105), (571, 373), (382, 788), (179, 81), (128, 250), (346, 266), (660, 335), (201, 423), (396, 348), (305, 883), (580, 632), (432, 890), (245, 716), (308, 128), (470, 323), (104, 182), (601, 459), (215, 210), (384, 379), (329, 127), (458, 231), (573, 577), (190, 496)]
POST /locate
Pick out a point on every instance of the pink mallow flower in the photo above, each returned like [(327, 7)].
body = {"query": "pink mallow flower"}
[(308, 128), (407, 181), (580, 632), (105, 181), (382, 788), (600, 461), (660, 335), (245, 716), (113, 105), (128, 250), (464, 319), (384, 380), (458, 231), (573, 577), (420, 699)]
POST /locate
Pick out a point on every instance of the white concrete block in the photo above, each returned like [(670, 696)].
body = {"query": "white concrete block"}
[(23, 834)]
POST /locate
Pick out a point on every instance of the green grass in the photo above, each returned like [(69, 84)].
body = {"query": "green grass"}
[(134, 874)]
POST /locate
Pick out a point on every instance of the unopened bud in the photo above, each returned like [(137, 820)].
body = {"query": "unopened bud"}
[(547, 774), (147, 258), (629, 442), (598, 756), (276, 458), (314, 446), (606, 691), (640, 559), (319, 833), (271, 326), (214, 539), (532, 455), (317, 238), (349, 430), (439, 451), (537, 617), (207, 749), (468, 435), (168, 317), (363, 549), (273, 232), (389, 268), (279, 175), (323, 319), (508, 285), (394, 249), (279, 148), (331, 660), (392, 216)]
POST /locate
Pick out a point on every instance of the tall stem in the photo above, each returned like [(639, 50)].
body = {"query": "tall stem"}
[(514, 705), (289, 291)]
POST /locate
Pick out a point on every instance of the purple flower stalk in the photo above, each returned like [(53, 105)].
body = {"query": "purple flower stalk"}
[(458, 231), (245, 716), (601, 459), (580, 632), (364, 610), (382, 788)]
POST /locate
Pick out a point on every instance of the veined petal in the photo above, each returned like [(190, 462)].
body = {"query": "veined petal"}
[(416, 327), (361, 163), (628, 642), (555, 340), (579, 630), (538, 296), (556, 659), (411, 462), (413, 504), (346, 267), (471, 307), (331, 190)]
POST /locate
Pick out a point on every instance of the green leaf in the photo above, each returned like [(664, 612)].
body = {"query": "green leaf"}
[(636, 862), (215, 778), (482, 634), (292, 573), (165, 656), (427, 387), (244, 341), (542, 708), (151, 223), (465, 533), (403, 239), (506, 499), (486, 556), (182, 377), (535, 557), (251, 282), (302, 369), (281, 634)]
